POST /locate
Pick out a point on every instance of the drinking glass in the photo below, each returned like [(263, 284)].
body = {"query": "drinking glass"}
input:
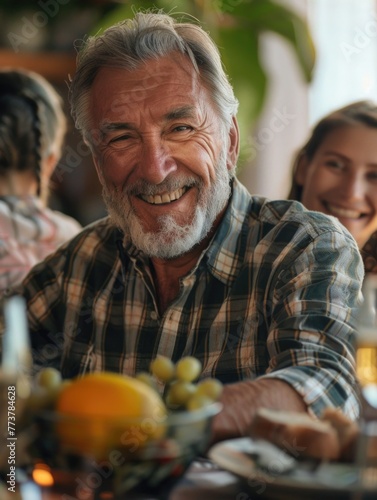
[(366, 369), (15, 369), (366, 341)]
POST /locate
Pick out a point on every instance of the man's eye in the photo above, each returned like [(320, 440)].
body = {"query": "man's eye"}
[(182, 128), (124, 137)]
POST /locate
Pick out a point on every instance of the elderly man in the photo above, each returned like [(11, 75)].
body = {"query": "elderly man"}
[(188, 262)]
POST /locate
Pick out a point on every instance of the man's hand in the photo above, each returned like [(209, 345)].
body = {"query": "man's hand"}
[(241, 400)]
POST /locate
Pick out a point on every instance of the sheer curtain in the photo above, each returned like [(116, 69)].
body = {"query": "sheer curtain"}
[(345, 37), (345, 34)]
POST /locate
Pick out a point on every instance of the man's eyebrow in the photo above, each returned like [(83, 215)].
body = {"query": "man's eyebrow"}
[(174, 114), (109, 126), (184, 112)]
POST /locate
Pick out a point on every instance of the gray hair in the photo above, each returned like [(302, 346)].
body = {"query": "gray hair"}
[(149, 35)]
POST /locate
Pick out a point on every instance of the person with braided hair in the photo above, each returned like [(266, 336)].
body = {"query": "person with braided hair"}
[(32, 129)]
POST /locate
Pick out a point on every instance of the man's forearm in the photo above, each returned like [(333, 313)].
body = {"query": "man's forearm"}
[(241, 400)]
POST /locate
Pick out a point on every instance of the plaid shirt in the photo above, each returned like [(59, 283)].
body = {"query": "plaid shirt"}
[(273, 295)]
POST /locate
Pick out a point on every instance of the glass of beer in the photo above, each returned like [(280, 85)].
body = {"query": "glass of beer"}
[(366, 369), (366, 341)]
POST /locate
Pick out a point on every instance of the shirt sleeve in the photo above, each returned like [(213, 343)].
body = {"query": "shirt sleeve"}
[(314, 300)]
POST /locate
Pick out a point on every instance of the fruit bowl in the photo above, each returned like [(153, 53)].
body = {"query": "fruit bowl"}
[(74, 455)]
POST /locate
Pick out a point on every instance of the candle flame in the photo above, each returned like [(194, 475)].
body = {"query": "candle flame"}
[(42, 475)]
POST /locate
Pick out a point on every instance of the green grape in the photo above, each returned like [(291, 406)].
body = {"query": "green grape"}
[(147, 378), (198, 401), (210, 387), (163, 368), (49, 378), (169, 403), (180, 392), (188, 369)]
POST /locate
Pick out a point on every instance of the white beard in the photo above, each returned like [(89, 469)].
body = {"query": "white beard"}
[(171, 239)]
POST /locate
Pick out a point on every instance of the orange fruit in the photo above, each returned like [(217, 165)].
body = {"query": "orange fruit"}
[(103, 411)]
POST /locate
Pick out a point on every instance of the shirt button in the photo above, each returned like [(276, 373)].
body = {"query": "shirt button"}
[(153, 315)]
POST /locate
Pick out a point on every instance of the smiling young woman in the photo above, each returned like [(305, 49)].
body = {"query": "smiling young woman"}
[(335, 172)]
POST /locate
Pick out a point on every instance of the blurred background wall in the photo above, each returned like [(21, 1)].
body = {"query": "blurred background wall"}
[(344, 33), (283, 90)]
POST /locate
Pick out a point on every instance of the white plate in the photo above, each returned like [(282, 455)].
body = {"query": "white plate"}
[(270, 471)]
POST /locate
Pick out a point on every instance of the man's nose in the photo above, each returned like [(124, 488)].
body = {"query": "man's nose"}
[(156, 161)]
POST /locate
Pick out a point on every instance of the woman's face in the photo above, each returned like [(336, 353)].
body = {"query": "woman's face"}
[(341, 179)]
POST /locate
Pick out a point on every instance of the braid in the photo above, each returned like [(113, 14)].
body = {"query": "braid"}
[(38, 123), (40, 131), (17, 136)]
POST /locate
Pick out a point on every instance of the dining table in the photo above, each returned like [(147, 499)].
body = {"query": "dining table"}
[(203, 480), (237, 469)]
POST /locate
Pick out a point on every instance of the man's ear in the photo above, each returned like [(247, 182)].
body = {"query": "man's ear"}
[(301, 170), (234, 144)]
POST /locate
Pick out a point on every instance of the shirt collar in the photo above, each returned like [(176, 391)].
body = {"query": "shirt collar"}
[(225, 255)]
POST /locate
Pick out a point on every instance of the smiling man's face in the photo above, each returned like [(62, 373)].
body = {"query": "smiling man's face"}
[(341, 179), (161, 153)]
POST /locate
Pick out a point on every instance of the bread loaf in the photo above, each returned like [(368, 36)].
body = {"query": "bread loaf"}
[(348, 432), (299, 434)]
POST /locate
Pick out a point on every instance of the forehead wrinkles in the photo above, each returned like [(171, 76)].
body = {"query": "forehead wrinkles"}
[(175, 113), (126, 105), (134, 86)]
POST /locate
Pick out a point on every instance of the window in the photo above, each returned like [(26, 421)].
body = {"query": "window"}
[(345, 37)]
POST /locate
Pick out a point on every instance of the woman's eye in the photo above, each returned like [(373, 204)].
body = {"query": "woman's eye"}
[(335, 164), (372, 176)]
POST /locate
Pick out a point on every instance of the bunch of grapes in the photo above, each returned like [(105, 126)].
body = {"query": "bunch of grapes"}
[(182, 391)]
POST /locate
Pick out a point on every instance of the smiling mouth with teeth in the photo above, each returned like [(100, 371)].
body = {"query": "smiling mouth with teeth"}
[(343, 212), (160, 199)]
